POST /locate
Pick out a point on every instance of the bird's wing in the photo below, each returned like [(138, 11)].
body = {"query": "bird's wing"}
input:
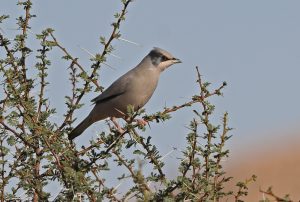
[(116, 89)]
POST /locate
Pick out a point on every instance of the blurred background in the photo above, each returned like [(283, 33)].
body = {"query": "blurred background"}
[(253, 45)]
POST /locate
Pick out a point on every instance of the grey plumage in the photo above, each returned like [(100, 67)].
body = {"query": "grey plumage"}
[(133, 88)]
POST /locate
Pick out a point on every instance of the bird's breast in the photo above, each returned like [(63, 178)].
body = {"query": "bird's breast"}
[(142, 88), (138, 91)]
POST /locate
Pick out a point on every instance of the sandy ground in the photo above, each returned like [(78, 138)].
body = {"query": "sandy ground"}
[(274, 159)]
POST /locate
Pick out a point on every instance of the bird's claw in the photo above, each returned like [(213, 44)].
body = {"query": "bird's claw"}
[(141, 122), (117, 125)]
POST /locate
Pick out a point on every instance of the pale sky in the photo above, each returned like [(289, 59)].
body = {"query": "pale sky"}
[(253, 45)]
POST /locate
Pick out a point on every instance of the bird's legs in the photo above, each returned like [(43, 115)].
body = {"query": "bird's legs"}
[(141, 122), (117, 125)]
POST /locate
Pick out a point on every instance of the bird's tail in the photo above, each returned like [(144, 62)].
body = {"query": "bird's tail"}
[(80, 128)]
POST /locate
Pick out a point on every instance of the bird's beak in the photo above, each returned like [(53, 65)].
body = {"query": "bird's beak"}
[(176, 60)]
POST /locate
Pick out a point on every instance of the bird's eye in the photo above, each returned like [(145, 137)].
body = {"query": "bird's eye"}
[(164, 58)]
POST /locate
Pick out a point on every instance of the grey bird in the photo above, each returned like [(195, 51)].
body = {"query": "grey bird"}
[(133, 88)]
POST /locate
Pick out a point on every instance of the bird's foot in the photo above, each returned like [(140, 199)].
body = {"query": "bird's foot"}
[(141, 122), (117, 125)]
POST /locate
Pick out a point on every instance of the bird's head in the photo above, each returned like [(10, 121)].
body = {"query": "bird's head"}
[(162, 59)]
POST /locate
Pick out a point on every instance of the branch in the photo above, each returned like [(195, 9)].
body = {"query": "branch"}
[(136, 177), (42, 81), (96, 66), (150, 154), (20, 136), (277, 198), (74, 60), (24, 33)]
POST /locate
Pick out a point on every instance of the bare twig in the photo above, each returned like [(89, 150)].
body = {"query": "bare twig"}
[(96, 66), (269, 192), (74, 60)]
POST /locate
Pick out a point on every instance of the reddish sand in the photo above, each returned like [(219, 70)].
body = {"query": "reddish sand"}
[(274, 159)]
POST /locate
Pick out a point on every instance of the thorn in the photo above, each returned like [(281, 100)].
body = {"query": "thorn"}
[(115, 189), (109, 66), (88, 52), (130, 42), (118, 57), (122, 113), (93, 56), (167, 154)]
